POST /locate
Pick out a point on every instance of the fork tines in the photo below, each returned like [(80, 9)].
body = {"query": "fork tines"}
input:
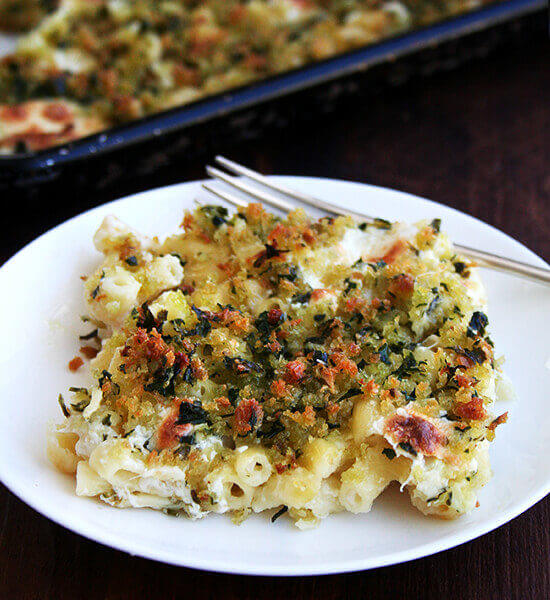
[(282, 190), (283, 197)]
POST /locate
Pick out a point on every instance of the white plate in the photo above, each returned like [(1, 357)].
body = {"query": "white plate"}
[(40, 303)]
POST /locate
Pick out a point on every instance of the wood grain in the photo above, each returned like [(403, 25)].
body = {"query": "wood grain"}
[(477, 139)]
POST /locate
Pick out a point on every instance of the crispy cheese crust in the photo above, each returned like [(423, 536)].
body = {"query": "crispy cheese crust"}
[(251, 363), (127, 59), (39, 124)]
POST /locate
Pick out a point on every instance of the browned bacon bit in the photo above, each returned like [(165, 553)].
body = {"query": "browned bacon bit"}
[(463, 380), (370, 388), (169, 432), (391, 254), (89, 351), (223, 402), (188, 221), (229, 268), (328, 375), (268, 253), (402, 285), (294, 372), (306, 418), (353, 349), (275, 316), (295, 322), (472, 410), (464, 361), (248, 416), (57, 112), (278, 388), (498, 421), (274, 347), (343, 364), (280, 233), (10, 114), (198, 369), (415, 431), (308, 235), (147, 345), (75, 364), (355, 304), (319, 294), (236, 321), (255, 211), (181, 360)]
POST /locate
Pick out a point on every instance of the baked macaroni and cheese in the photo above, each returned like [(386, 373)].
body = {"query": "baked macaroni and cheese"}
[(120, 60), (252, 363)]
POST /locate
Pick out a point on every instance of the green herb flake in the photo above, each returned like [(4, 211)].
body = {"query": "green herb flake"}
[(280, 512), (389, 453), (64, 408)]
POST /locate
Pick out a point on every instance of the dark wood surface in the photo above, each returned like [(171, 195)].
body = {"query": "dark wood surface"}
[(478, 139)]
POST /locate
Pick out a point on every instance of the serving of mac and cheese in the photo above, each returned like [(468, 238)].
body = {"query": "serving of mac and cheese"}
[(93, 64), (251, 363)]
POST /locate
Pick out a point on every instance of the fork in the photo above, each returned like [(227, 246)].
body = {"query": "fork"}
[(285, 196)]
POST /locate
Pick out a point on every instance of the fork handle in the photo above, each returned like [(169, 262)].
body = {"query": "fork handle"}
[(500, 263)]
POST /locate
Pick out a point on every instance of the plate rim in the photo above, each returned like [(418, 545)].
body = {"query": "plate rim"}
[(106, 538)]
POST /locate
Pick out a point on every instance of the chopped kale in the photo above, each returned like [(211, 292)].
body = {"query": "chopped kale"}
[(233, 395), (216, 213), (477, 324), (144, 317), (64, 409), (268, 253), (301, 298), (407, 367), (290, 275), (407, 448), (350, 285), (350, 393), (475, 354), (182, 262), (433, 304), (280, 512), (320, 357), (436, 225), (382, 224), (389, 453), (461, 269), (270, 429), (163, 381), (192, 412), (383, 352)]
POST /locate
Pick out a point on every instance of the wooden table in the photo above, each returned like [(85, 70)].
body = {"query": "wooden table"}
[(477, 139)]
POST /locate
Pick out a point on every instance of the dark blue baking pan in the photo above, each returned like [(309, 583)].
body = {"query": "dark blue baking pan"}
[(22, 170)]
